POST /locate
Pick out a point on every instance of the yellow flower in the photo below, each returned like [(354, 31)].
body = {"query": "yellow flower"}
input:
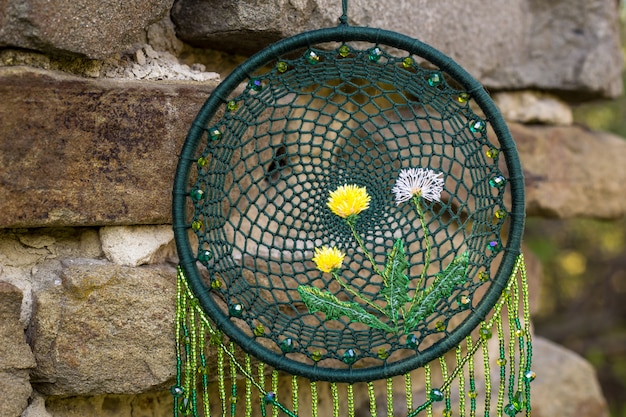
[(328, 259), (348, 200)]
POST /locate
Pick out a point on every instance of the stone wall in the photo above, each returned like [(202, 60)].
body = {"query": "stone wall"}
[(97, 97)]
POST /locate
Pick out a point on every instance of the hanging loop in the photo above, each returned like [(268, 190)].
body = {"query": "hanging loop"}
[(343, 20)]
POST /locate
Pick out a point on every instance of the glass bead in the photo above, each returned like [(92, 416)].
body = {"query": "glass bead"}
[(485, 333), (202, 162), (472, 394), (205, 256), (477, 126), (440, 326), (202, 369), (287, 345), (510, 410), (349, 356), (216, 284), (436, 394), (483, 276), (282, 66), (464, 301), (447, 413), (492, 153), (412, 341), (519, 333), (194, 302), (255, 85), (344, 51), (312, 58), (196, 225), (497, 182), (184, 407), (177, 391), (494, 246), (236, 310), (529, 376), (383, 353), (463, 98), (518, 400), (259, 330), (270, 398), (197, 194), (407, 62), (375, 54), (232, 105), (215, 133), (316, 356), (500, 214), (434, 79), (233, 400), (501, 361)]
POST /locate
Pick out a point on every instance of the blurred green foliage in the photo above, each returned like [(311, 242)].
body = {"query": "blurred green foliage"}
[(583, 294)]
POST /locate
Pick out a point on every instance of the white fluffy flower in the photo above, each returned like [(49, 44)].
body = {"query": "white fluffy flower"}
[(421, 182)]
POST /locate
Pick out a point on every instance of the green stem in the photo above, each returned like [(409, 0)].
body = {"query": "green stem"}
[(420, 214), (359, 241), (356, 294)]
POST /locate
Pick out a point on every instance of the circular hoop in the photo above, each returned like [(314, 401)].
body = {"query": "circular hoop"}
[(183, 198)]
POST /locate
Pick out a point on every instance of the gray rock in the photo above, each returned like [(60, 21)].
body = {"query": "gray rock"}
[(137, 245), (566, 384), (507, 44), (106, 329), (16, 359), (572, 171), (97, 29)]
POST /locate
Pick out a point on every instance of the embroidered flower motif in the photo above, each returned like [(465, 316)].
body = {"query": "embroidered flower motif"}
[(418, 182), (348, 200), (328, 259)]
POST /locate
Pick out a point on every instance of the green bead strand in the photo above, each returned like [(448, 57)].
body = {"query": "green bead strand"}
[(248, 395), (314, 399), (458, 357), (275, 410), (485, 351), (389, 397), (294, 394), (334, 393), (350, 400), (471, 377), (502, 366), (233, 381), (372, 397), (221, 385), (427, 388), (408, 388)]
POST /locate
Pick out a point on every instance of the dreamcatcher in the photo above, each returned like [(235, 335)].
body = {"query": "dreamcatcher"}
[(348, 212)]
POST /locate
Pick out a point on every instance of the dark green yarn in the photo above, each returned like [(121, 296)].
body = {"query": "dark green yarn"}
[(390, 118)]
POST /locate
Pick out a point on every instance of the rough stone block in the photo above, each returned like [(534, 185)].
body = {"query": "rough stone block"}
[(97, 29), (83, 152), (561, 45), (572, 171), (137, 245), (566, 384), (16, 358), (104, 329)]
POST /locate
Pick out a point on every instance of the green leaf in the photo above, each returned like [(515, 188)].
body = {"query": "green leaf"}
[(441, 288), (318, 300), (395, 282)]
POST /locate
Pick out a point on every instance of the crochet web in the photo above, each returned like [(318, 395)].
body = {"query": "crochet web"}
[(348, 207)]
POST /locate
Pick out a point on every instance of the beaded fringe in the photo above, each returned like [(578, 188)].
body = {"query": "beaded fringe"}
[(241, 386)]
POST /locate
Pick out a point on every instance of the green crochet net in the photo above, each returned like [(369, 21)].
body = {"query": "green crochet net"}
[(251, 207)]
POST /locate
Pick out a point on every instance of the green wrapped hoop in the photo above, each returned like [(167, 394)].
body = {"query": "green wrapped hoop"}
[(315, 112)]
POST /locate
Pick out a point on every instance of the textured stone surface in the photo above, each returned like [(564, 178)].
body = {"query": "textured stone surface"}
[(104, 329), (95, 28), (137, 245), (158, 404), (572, 171), (16, 358), (507, 44), (533, 107), (118, 142), (566, 384)]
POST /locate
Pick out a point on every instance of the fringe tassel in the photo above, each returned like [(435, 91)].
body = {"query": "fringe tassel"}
[(450, 382)]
